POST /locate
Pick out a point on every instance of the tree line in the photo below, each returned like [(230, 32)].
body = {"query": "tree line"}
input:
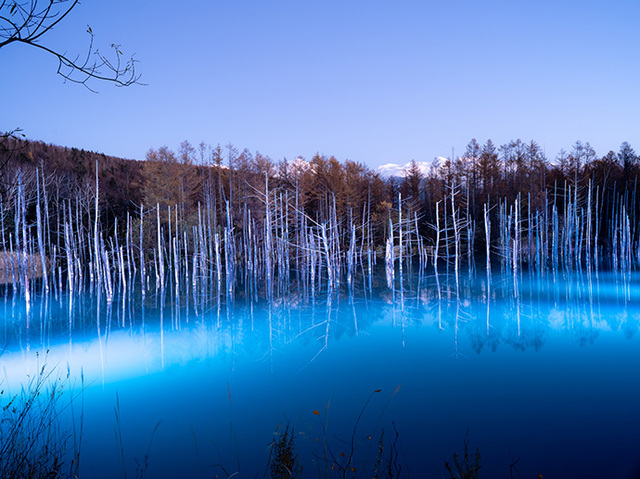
[(505, 203)]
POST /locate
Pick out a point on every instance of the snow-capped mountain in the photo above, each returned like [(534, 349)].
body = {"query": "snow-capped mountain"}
[(395, 169), (300, 165)]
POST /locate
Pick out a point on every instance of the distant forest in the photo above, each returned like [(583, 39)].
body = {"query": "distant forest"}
[(509, 202)]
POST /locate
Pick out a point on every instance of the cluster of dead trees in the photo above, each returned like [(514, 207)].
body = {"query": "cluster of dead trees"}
[(447, 209)]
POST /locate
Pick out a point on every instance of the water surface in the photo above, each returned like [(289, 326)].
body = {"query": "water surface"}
[(537, 371)]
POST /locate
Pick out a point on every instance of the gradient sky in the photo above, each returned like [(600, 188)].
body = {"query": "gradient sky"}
[(372, 81)]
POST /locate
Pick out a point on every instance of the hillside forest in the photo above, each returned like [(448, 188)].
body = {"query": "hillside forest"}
[(240, 217)]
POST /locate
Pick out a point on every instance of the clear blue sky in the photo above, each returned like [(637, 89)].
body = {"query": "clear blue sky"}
[(373, 81)]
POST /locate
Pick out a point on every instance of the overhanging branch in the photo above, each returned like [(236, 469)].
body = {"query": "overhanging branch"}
[(26, 22)]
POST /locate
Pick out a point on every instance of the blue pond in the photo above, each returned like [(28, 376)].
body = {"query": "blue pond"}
[(539, 372)]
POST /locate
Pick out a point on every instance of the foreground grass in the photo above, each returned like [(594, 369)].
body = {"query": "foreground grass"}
[(33, 444)]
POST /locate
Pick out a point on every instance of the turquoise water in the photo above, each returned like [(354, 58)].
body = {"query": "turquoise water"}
[(538, 372)]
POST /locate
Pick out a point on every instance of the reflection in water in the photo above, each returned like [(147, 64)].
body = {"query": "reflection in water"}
[(517, 310), (427, 332)]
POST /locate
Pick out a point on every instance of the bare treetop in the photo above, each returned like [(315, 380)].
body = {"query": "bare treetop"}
[(27, 21)]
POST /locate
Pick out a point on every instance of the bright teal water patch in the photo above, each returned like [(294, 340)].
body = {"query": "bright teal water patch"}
[(541, 372)]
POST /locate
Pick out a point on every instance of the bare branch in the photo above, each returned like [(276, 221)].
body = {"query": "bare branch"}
[(26, 21)]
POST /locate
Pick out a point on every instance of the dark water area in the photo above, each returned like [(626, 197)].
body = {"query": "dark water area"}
[(539, 372)]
